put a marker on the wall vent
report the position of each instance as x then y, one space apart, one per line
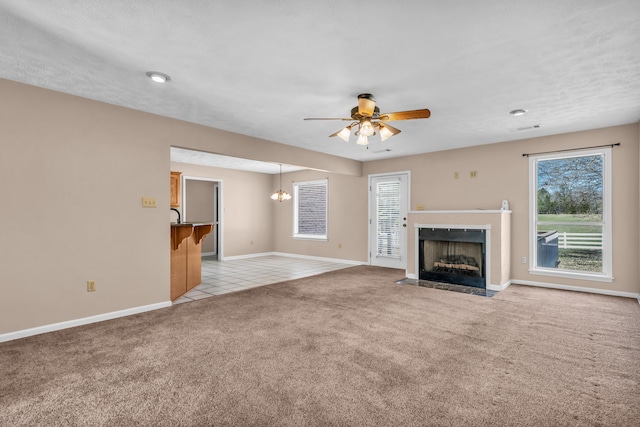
522 129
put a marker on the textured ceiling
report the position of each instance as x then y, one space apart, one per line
259 67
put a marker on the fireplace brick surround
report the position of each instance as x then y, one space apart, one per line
497 224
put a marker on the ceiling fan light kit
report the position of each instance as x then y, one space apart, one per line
367 119
366 128
387 132
362 140
344 134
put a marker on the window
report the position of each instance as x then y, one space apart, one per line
310 209
570 217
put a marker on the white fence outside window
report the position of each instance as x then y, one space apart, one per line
579 240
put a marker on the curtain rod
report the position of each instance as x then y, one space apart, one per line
570 149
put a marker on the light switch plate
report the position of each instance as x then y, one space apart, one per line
148 202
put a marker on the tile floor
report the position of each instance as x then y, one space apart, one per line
221 277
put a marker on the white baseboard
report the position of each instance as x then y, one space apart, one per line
577 289
83 321
499 287
318 258
247 256
284 254
208 253
553 286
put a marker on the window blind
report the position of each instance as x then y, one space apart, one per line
388 215
310 209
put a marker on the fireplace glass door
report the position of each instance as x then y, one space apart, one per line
453 255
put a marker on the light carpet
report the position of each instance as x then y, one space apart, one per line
349 347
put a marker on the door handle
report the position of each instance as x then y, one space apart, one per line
404 225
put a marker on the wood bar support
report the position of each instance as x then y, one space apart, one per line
186 256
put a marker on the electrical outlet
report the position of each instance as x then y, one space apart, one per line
91 285
456 175
149 202
420 207
524 259
339 245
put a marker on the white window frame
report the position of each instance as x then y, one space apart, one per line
296 198
606 274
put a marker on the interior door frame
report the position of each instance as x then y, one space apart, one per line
370 232
220 200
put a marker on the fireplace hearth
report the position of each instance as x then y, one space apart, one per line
453 256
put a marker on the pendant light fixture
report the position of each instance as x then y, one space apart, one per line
280 195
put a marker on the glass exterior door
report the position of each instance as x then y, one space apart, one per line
388 223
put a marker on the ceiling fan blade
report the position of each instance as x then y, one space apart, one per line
333 118
366 104
406 115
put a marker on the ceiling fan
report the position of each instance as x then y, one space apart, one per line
367 119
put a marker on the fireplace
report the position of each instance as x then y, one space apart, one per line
453 256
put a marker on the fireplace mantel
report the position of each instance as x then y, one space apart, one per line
498 226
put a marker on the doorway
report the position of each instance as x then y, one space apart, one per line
201 201
388 207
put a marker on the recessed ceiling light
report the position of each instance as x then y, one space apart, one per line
517 112
158 77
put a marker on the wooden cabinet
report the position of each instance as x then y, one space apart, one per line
175 189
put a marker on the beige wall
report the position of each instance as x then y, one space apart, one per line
347 221
73 172
253 223
232 144
502 173
247 210
200 203
72 175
